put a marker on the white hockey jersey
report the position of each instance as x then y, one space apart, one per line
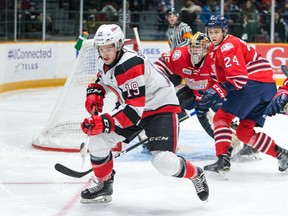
141 89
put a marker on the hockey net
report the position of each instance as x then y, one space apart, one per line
62 131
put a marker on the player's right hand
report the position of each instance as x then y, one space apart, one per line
94 98
95 124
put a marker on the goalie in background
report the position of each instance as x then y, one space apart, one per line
147 101
246 87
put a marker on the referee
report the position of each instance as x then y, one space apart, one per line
178 33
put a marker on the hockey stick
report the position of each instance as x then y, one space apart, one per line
284 70
73 173
76 174
84 146
137 38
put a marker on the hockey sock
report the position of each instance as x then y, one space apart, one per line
102 167
264 144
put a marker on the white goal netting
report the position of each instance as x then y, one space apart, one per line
62 131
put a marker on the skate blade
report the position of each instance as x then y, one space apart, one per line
221 175
101 199
281 169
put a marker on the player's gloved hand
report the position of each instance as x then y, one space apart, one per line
98 124
94 98
277 103
217 106
211 96
202 111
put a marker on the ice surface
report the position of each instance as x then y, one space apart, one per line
30 186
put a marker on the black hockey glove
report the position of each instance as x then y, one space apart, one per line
277 103
211 97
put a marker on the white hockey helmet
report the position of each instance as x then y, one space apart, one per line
109 34
198 47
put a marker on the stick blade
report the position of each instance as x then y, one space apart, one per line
284 70
69 172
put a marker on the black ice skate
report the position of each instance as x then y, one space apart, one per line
101 193
220 168
247 153
201 185
282 159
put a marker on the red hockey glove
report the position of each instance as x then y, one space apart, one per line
98 124
94 98
212 96
277 103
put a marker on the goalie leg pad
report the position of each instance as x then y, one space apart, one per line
205 123
166 162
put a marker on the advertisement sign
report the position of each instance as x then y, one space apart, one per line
52 60
154 50
33 61
276 54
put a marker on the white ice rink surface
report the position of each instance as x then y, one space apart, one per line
30 186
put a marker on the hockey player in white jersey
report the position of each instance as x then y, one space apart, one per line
147 100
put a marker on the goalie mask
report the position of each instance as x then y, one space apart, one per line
109 34
198 47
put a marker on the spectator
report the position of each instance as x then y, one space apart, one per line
31 18
284 14
212 8
232 14
279 28
48 22
253 19
135 7
240 29
90 24
25 4
110 11
190 14
128 15
162 22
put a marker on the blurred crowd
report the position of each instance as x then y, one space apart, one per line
248 19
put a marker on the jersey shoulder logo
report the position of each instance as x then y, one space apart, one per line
176 55
226 47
